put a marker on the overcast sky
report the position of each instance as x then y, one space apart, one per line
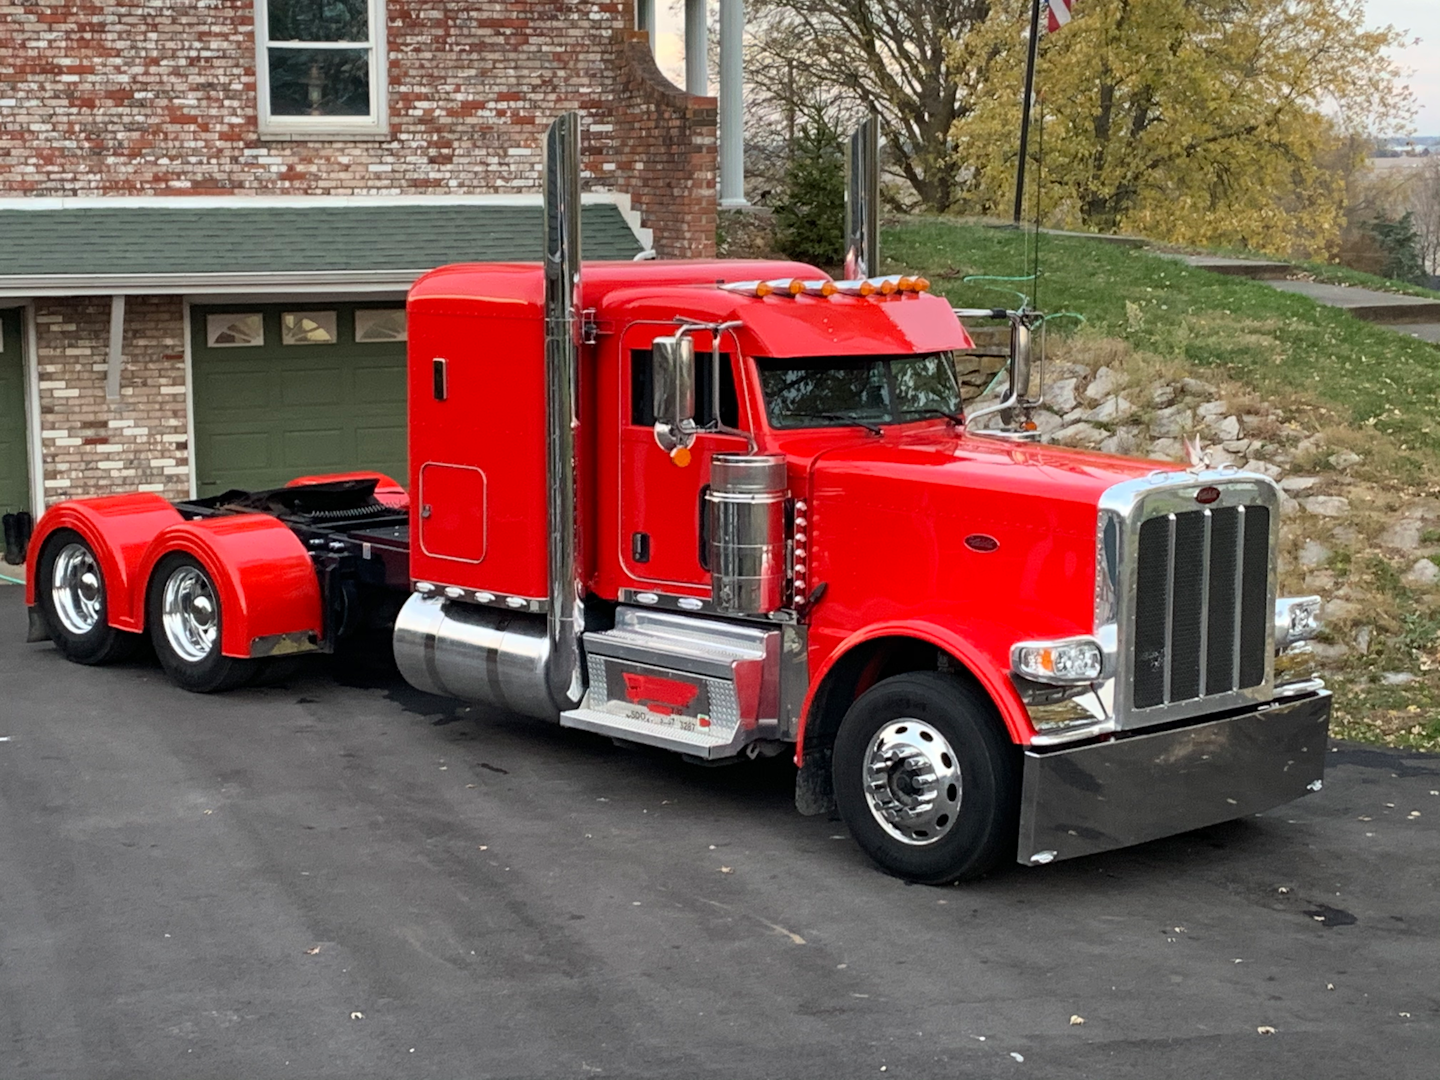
1420 17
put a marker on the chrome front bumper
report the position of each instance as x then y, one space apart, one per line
1132 789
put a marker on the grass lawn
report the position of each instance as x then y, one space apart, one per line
1359 385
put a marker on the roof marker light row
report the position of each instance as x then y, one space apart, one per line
878 286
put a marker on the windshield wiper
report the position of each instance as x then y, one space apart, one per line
953 417
841 418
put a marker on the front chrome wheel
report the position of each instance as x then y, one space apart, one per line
188 614
76 589
912 782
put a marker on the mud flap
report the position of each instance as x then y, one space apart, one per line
39 628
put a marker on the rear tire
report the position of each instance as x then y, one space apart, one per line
927 780
71 594
182 610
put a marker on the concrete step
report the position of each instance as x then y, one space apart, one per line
1367 304
1424 331
1257 269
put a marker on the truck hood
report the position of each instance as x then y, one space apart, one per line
965 529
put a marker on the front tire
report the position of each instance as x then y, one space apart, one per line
71 594
926 779
184 616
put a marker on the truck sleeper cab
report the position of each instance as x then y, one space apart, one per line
768 530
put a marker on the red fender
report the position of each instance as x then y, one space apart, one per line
118 529
387 490
995 680
264 577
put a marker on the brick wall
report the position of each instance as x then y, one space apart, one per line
158 97
92 446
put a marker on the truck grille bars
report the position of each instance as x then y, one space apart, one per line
1201 611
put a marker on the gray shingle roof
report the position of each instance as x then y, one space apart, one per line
288 238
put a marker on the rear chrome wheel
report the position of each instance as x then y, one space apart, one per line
76 590
190 614
186 617
927 779
70 592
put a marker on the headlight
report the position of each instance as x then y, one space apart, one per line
1297 618
1074 660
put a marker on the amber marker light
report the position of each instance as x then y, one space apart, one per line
922 284
763 288
821 288
888 286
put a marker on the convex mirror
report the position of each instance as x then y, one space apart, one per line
673 377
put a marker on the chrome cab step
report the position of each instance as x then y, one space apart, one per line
698 686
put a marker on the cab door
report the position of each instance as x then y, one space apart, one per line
662 500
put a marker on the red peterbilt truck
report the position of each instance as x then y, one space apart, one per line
734 509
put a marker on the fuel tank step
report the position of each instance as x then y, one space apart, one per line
697 686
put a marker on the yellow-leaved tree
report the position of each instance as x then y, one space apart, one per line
1217 122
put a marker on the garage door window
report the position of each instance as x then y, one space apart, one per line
307 327
228 331
380 324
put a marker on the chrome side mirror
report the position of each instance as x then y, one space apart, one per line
672 368
1021 360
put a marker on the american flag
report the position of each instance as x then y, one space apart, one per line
1059 14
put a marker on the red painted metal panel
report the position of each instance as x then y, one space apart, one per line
118 528
452 512
262 573
492 419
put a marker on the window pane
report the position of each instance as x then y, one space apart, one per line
319 20
320 82
228 331
380 324
307 328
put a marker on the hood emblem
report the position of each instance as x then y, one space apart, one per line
1196 455
981 542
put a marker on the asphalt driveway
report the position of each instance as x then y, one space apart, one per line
320 879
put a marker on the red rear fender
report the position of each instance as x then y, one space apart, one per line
118 529
262 573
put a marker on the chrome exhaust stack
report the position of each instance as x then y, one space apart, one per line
562 366
862 200
516 660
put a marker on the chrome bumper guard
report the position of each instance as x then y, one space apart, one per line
1087 799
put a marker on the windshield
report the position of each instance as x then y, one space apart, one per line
833 391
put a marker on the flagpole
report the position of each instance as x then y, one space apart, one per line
1025 111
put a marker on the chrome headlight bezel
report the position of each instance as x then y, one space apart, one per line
1073 661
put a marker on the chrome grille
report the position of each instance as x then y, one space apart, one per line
1201 600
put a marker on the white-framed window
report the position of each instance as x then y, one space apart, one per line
320 67
231 331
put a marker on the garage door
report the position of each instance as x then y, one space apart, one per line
285 391
14 487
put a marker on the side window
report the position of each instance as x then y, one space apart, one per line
642 391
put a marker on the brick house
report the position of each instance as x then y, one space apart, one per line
210 213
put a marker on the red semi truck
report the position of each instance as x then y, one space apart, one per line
733 509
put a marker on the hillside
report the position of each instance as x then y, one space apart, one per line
1344 414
